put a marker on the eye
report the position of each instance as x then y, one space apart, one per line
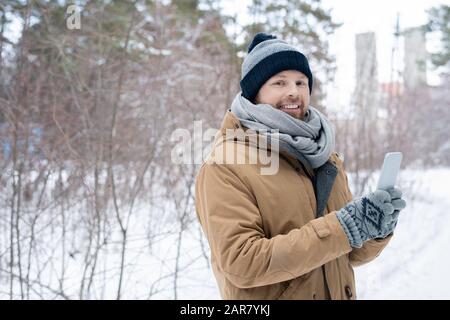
301 83
279 83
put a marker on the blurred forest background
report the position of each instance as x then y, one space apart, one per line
91 205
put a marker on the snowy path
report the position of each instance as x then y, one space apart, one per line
416 263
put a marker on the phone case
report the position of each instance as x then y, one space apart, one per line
389 170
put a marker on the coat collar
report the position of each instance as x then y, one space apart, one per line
230 121
323 177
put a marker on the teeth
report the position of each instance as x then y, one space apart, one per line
290 106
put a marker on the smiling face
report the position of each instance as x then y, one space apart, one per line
287 91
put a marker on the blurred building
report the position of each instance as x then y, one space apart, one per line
366 90
415 58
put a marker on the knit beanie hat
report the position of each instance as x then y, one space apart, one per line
267 56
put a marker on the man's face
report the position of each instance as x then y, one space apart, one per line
287 91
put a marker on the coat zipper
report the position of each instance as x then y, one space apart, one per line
312 178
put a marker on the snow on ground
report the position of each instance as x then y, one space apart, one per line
415 264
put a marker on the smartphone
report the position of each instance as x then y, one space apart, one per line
390 169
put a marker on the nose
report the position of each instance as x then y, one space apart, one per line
293 91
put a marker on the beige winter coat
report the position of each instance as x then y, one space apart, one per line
265 239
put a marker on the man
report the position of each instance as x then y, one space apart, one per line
295 234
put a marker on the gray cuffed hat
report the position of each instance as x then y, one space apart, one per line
266 57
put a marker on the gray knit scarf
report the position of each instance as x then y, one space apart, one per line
311 140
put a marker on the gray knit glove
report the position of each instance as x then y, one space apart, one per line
398 203
372 216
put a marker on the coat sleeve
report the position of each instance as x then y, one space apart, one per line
368 252
231 220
